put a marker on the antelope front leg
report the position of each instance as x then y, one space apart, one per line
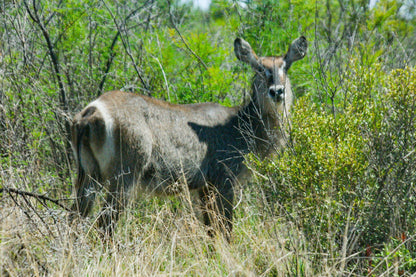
218 208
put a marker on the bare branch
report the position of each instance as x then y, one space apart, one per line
51 50
183 39
40 197
111 49
108 64
125 42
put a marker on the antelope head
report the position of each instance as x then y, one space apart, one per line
271 86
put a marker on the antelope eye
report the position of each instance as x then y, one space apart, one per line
269 76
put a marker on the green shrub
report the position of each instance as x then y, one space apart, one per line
349 172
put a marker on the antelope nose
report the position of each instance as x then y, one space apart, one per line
276 92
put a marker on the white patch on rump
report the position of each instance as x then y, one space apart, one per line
105 154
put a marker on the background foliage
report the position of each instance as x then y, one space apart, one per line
339 200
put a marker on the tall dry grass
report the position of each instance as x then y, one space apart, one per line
156 236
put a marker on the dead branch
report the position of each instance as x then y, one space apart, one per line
112 54
51 50
40 197
124 39
183 39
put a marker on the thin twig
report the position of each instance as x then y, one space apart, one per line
54 58
108 64
183 39
111 50
34 15
124 40
39 197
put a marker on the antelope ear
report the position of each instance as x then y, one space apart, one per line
297 50
245 53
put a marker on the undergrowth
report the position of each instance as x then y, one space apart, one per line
338 201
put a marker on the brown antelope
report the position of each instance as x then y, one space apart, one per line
121 140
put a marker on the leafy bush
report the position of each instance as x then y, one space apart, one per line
348 179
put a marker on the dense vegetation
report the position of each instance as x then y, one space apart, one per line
340 200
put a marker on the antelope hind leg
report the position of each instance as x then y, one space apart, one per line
116 201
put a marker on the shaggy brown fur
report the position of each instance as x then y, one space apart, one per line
122 140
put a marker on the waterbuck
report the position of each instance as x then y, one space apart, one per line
122 140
